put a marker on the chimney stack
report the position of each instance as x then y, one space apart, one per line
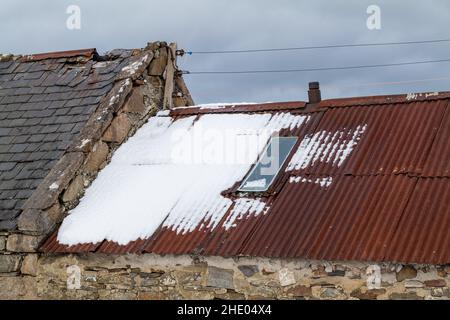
314 92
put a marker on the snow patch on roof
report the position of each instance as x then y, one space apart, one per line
326 147
323 182
172 173
244 207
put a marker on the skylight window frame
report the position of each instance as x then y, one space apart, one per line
242 187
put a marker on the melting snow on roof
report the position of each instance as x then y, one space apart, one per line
326 146
172 173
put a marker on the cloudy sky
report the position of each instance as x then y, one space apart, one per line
197 25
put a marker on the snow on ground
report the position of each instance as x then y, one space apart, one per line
173 173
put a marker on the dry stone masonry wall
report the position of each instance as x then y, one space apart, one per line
96 276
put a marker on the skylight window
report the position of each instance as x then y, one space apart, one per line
266 169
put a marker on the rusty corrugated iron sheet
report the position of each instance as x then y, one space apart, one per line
52 245
352 219
424 229
389 200
60 54
397 138
438 161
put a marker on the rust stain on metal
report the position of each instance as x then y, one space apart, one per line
52 245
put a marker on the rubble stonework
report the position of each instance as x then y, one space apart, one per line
151 276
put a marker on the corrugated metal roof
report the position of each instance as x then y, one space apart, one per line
397 138
423 232
438 163
386 162
352 219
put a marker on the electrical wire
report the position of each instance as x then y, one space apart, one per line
319 47
317 69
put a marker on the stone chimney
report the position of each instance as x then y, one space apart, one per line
314 92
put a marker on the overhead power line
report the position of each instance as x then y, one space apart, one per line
316 47
318 69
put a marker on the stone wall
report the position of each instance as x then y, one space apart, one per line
96 276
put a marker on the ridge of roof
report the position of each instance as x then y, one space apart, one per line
88 53
384 99
308 107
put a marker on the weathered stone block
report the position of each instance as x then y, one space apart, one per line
286 277
168 280
367 294
336 273
30 265
220 278
405 296
437 292
151 296
74 189
435 283
2 243
23 243
229 295
413 284
135 102
159 63
18 288
184 277
57 180
407 272
332 293
41 221
300 291
137 66
118 130
97 157
248 270
9 263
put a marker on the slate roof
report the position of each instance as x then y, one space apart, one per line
389 200
45 100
